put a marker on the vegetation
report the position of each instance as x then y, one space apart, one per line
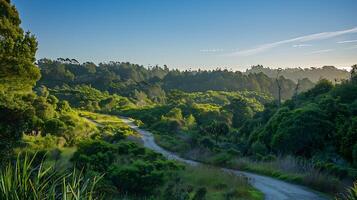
217 184
352 192
147 85
17 52
315 127
313 74
27 180
298 131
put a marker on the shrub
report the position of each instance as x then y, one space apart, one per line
176 190
221 159
200 194
130 168
55 126
141 178
259 148
207 142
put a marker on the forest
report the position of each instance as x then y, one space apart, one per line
62 134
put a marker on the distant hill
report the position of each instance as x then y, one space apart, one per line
314 74
125 78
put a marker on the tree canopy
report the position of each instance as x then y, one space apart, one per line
17 52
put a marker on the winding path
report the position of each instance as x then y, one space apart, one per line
271 188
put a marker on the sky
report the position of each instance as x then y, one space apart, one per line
204 34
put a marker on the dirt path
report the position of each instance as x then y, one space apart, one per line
272 189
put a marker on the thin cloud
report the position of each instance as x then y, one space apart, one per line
321 51
347 41
211 50
306 38
353 47
301 45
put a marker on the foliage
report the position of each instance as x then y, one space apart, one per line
315 121
23 180
217 130
17 52
130 168
291 169
330 73
213 183
351 193
91 99
317 126
147 85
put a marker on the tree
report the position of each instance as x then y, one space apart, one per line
200 194
190 121
217 129
278 83
13 122
259 148
354 73
55 126
17 52
302 132
44 110
241 111
322 87
140 97
18 73
175 113
349 139
297 88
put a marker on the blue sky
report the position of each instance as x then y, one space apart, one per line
191 34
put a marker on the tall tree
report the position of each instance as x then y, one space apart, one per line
17 52
354 73
279 86
18 73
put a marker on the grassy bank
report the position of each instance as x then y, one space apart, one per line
288 168
219 184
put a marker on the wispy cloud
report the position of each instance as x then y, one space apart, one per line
211 50
306 38
301 45
347 41
353 47
321 51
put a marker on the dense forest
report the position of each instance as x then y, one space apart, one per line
130 79
62 135
330 73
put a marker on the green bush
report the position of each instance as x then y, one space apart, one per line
139 178
200 194
221 159
259 148
55 126
94 155
207 142
132 169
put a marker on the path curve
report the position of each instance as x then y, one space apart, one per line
272 189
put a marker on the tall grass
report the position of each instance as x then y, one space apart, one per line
351 193
220 184
24 179
294 170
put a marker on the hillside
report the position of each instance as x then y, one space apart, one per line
132 80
